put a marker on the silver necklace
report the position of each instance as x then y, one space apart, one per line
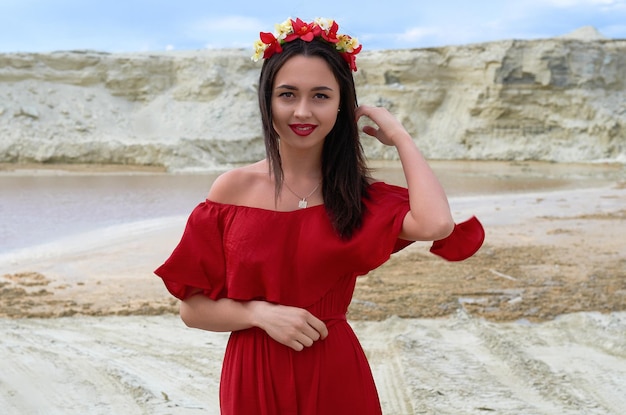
302 203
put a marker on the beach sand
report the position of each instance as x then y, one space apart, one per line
534 323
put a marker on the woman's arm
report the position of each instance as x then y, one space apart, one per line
429 218
294 327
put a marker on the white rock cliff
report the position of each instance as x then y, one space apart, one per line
561 99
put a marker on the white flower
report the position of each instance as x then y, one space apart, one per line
324 23
283 29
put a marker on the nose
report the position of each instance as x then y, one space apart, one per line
302 109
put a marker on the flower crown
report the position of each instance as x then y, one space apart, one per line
290 29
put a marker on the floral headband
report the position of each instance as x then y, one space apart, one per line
290 29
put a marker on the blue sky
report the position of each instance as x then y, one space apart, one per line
153 25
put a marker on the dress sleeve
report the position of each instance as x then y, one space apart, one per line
197 262
464 241
391 202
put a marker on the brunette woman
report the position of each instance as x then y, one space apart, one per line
274 252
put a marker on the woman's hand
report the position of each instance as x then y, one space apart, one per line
291 326
429 218
294 327
389 128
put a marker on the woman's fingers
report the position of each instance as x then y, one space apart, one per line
319 327
369 130
314 330
294 327
386 125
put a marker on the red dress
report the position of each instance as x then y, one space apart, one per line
292 258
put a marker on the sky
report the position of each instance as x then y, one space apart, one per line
157 25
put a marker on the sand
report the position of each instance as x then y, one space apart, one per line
535 323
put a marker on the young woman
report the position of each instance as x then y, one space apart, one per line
273 253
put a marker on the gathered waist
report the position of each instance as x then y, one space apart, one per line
333 319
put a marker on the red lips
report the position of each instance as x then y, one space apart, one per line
302 129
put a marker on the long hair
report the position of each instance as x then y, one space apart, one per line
344 171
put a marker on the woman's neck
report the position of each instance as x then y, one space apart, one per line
301 166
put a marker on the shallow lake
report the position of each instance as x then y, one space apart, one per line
40 205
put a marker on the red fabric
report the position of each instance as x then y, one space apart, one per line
466 238
291 258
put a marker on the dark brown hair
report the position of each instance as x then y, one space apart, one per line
344 171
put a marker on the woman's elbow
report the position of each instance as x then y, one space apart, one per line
187 314
439 228
445 228
432 229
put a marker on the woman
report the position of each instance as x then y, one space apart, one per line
273 254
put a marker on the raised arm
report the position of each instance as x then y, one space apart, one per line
429 218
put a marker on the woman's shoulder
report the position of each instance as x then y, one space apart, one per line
237 186
385 194
381 187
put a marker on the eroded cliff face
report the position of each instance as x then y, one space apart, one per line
558 100
178 110
555 99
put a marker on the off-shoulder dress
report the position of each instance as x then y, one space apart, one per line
292 258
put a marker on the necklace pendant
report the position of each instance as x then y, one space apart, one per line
302 204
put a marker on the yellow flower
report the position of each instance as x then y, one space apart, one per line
347 43
321 28
259 48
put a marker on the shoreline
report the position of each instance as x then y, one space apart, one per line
99 168
81 198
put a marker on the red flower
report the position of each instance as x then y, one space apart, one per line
273 45
331 36
304 31
350 57
290 30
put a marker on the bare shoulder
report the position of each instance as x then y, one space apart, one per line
238 186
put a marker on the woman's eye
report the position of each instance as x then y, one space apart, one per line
286 94
321 96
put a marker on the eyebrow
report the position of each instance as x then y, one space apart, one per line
294 88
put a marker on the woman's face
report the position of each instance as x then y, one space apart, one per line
305 102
